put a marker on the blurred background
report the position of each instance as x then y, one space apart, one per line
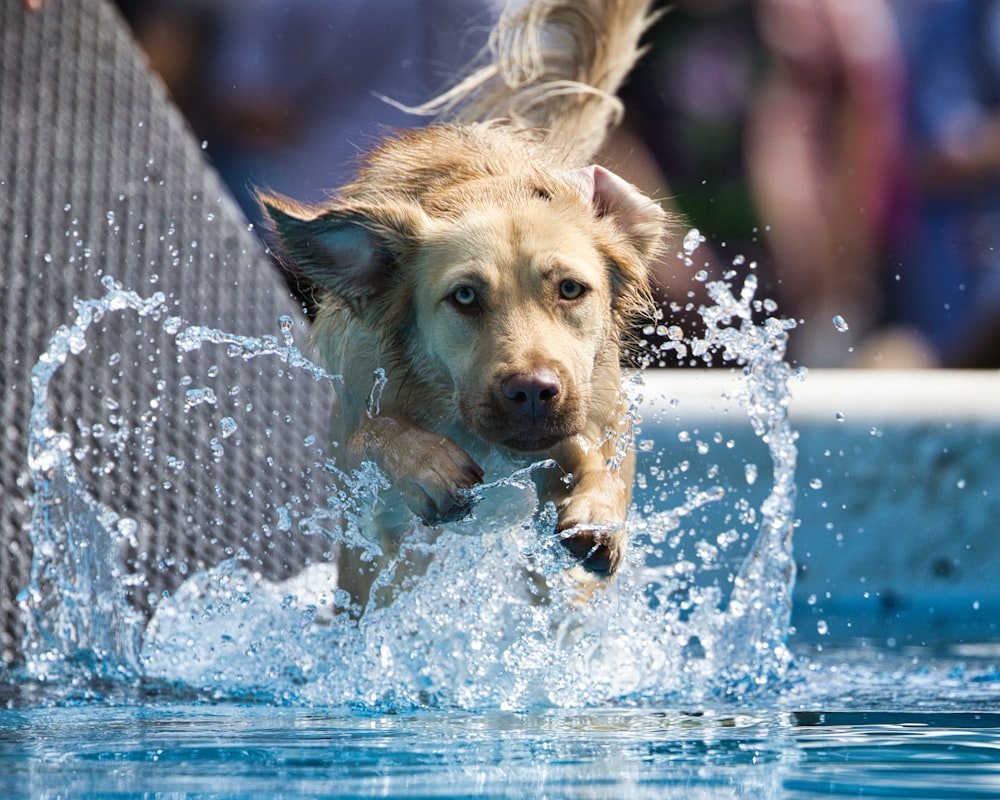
848 149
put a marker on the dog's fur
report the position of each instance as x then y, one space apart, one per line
492 273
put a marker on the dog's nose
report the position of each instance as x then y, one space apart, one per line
532 393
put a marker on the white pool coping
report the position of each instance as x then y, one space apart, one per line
850 396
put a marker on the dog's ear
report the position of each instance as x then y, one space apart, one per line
349 249
640 226
639 218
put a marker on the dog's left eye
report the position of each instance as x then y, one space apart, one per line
465 296
571 290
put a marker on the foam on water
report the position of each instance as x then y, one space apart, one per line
494 622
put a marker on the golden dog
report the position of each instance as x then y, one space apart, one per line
492 273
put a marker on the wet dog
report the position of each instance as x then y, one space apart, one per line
492 273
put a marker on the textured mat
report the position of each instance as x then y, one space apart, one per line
99 175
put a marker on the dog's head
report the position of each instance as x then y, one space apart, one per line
512 294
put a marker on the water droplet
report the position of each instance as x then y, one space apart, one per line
815 483
228 427
127 527
822 628
706 551
284 522
692 240
285 324
195 397
840 324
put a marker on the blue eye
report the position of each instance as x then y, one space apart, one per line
464 296
571 290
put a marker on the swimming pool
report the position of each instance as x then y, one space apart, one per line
845 745
889 688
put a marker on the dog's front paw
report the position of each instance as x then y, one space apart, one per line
598 549
435 482
590 523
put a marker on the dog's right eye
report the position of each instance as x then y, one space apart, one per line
465 298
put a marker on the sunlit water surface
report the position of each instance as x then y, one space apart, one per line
676 681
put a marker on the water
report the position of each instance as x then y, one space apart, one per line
678 681
232 750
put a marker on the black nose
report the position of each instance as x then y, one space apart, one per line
532 393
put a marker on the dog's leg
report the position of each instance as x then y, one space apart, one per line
592 516
430 477
429 470
592 501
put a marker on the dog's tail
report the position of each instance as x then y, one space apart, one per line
554 66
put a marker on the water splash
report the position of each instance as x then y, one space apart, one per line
494 621
78 619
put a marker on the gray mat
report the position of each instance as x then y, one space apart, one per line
99 175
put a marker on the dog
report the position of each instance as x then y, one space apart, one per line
492 274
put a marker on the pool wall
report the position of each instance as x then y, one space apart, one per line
898 494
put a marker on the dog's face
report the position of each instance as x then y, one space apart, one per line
514 302
510 297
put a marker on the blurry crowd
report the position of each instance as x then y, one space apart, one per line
850 149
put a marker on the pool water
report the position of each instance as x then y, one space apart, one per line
791 744
683 679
